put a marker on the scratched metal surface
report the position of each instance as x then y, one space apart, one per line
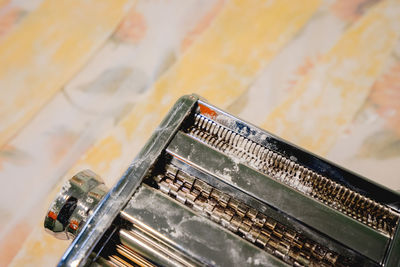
76 95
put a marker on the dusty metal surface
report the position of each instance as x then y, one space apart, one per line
247 222
209 242
297 176
210 189
350 232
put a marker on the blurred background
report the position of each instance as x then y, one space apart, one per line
84 83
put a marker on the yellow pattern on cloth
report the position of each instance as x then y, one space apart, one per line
219 66
222 63
326 99
46 50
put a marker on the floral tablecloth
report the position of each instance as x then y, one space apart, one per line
84 83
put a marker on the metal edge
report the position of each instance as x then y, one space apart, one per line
281 197
108 209
315 162
277 215
392 258
172 223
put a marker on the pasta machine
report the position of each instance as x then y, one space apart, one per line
209 189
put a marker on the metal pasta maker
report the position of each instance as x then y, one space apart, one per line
209 189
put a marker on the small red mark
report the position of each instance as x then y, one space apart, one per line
52 215
207 111
73 225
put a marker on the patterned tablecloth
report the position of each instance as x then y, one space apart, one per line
84 83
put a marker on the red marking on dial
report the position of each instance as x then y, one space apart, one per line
52 215
73 225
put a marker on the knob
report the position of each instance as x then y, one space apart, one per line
74 204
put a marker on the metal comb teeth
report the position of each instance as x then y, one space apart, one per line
249 223
299 177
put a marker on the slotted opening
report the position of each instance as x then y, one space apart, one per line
67 210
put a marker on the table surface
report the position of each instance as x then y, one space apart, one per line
83 84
